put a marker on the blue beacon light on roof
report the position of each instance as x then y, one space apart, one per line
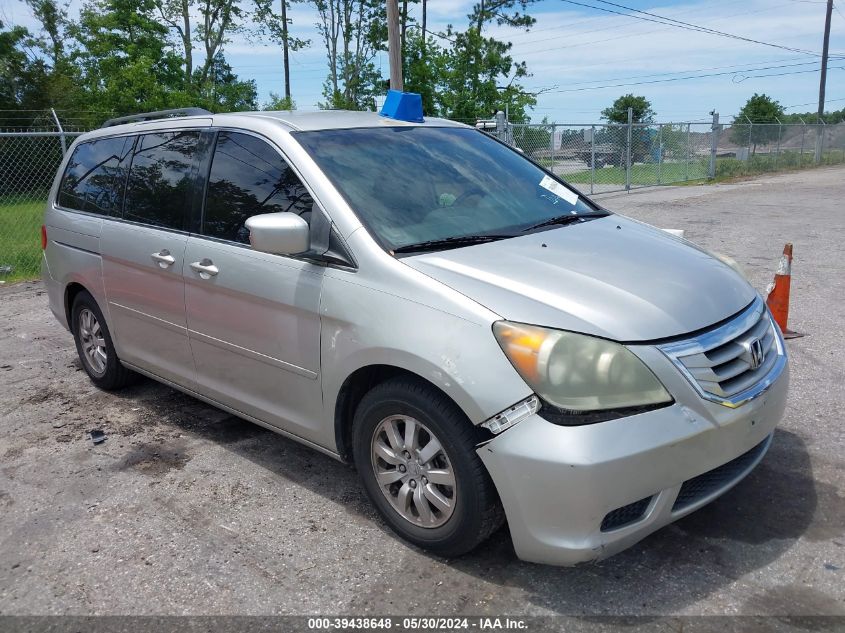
403 106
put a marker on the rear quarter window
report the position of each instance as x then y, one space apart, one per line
96 175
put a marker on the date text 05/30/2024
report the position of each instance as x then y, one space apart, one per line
417 623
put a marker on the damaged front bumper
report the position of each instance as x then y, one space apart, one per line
579 493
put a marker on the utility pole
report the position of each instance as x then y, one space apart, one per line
394 47
823 79
423 28
285 48
825 48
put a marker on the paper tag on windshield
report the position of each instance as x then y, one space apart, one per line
559 190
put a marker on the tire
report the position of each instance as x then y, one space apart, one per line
94 345
475 512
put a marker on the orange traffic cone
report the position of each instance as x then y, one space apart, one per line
778 299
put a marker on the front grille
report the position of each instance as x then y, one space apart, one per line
724 364
697 488
625 515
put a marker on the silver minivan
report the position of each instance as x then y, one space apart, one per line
482 341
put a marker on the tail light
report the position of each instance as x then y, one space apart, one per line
43 236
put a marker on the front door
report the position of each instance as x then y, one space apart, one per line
253 318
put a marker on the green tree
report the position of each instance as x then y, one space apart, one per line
479 76
54 23
277 102
222 91
759 109
218 20
641 137
618 111
276 26
831 117
503 12
475 68
353 31
126 60
51 77
534 137
424 64
17 70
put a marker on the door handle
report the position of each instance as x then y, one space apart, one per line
164 258
205 268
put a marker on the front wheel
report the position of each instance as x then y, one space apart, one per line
415 454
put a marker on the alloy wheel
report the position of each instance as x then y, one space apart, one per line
413 471
92 341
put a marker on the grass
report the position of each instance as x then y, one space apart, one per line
696 172
20 238
641 174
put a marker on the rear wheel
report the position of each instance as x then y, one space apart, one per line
415 453
94 345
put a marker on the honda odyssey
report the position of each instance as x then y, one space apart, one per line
481 340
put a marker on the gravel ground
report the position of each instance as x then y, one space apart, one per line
187 510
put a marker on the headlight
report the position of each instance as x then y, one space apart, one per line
578 373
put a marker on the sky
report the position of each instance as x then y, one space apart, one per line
580 57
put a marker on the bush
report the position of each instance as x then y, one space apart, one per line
730 167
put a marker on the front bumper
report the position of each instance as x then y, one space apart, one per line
558 483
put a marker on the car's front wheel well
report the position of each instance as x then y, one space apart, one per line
354 388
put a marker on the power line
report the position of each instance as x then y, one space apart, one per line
798 105
704 76
740 69
518 45
659 19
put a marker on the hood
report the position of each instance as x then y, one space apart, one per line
610 277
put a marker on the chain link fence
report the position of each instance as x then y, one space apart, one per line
29 157
600 157
595 157
752 148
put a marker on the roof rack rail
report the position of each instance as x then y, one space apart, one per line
151 116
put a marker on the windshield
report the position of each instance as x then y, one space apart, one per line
411 185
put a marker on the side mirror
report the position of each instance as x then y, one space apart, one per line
278 233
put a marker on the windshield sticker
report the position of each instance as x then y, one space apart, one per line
559 190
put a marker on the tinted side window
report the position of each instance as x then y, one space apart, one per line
248 177
95 176
160 179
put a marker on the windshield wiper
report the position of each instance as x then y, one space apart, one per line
448 242
561 220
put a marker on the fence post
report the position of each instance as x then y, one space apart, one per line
61 131
714 145
803 137
819 142
628 153
592 157
686 162
777 150
552 149
659 152
750 132
501 130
